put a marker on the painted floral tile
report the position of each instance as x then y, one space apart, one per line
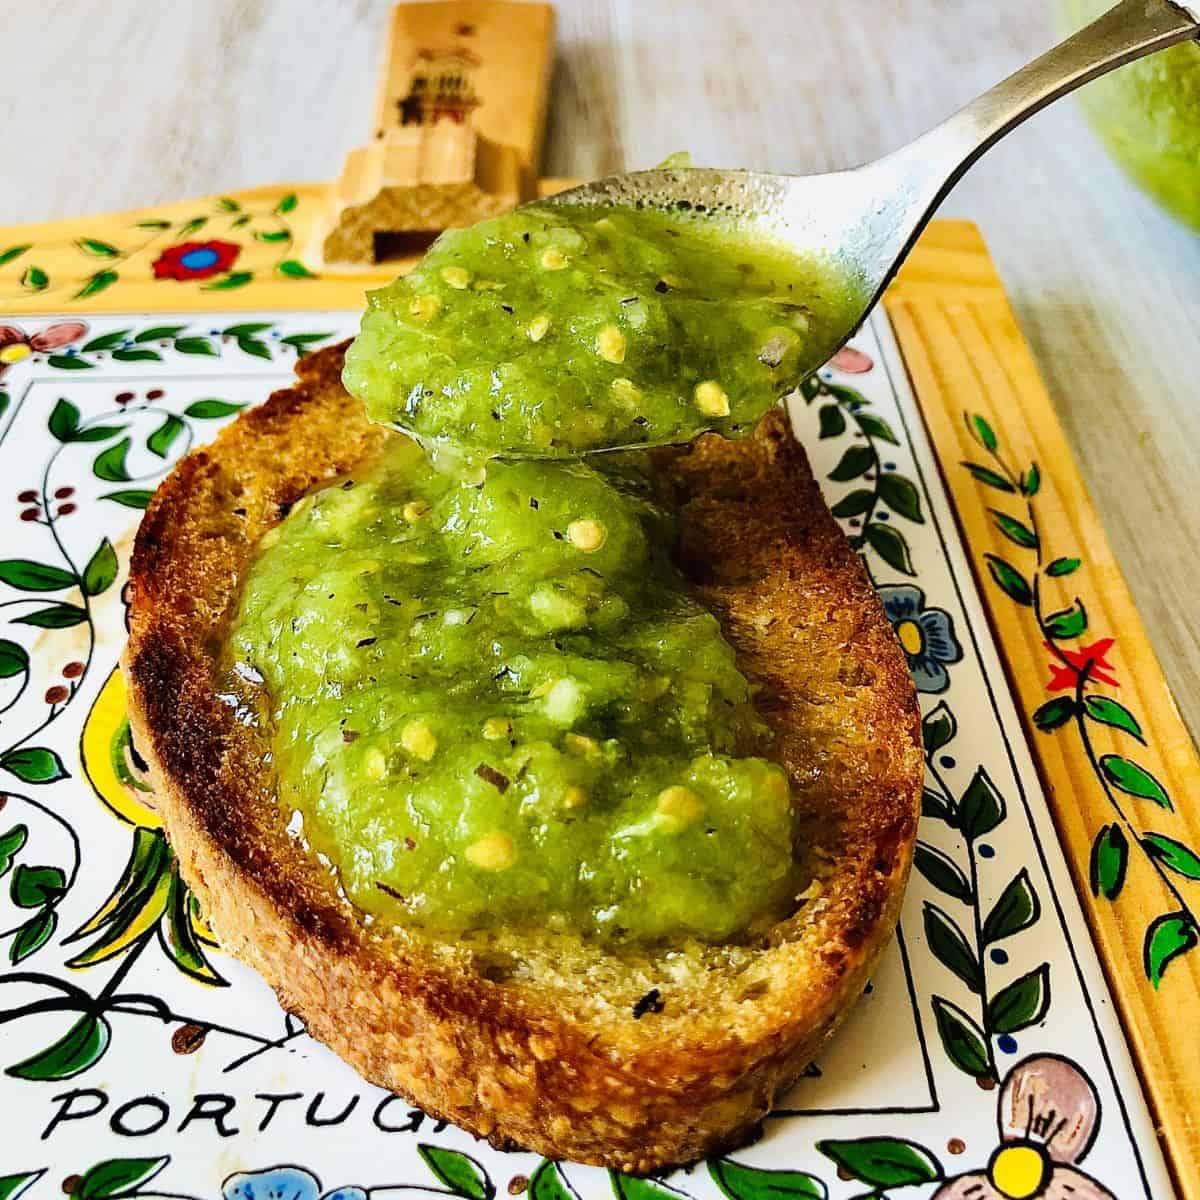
984 1060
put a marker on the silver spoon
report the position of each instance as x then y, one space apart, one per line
868 218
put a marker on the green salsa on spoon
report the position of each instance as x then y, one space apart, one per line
558 330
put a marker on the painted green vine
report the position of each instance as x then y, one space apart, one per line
1076 705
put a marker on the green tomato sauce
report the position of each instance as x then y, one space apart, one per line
498 704
492 698
553 331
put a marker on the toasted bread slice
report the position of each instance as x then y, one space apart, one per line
629 1059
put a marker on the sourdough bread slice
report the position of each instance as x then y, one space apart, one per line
633 1060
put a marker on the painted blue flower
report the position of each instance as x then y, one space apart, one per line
926 636
283 1183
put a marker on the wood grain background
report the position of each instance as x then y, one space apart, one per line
126 104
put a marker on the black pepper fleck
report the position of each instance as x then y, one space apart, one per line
651 1002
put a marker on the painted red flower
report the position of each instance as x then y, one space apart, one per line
195 260
15 344
1093 659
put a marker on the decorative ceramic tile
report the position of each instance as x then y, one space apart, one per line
985 1060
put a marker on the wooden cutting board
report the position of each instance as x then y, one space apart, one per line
456 134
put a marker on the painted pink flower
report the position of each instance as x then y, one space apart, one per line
16 344
851 361
1048 1116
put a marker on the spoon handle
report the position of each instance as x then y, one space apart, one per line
1127 31
913 181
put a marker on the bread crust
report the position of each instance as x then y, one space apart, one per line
562 1065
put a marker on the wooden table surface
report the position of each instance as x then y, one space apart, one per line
131 103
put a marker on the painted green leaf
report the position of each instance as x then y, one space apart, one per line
195 345
628 1187
11 842
982 807
1017 908
249 345
34 764
1016 531
1010 581
1054 713
118 1177
287 203
190 227
69 362
106 341
458 1172
1031 481
1022 1003
273 235
29 576
161 440
876 427
210 409
1168 937
63 420
302 341
130 497
55 616
1062 566
883 1162
178 937
740 1182
96 433
1107 711
246 329
938 727
1133 780
942 871
97 283
227 283
33 935
854 504
856 461
1109 861
110 463
981 431
152 223
890 546
35 279
228 204
1175 855
137 354
238 222
1068 622
97 248
832 419
101 570
160 333
988 476
901 496
5 401
80 1047
950 947
14 1186
294 269
7 256
935 806
32 887
548 1183
961 1038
